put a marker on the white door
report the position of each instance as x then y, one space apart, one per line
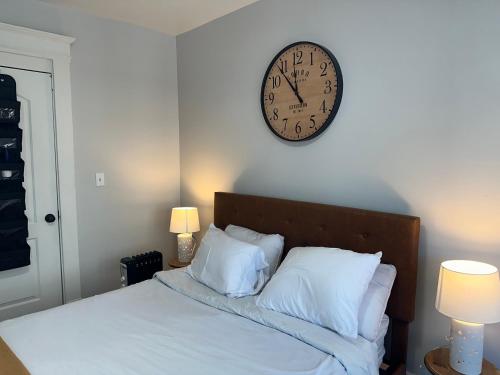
37 286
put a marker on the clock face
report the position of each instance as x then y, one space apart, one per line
301 91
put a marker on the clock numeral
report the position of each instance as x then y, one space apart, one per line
313 123
323 67
275 114
312 59
276 81
323 106
284 66
285 121
298 128
297 57
270 97
328 88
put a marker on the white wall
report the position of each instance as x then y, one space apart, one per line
125 108
417 132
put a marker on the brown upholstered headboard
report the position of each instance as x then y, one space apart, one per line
312 224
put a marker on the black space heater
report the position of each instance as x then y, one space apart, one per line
140 267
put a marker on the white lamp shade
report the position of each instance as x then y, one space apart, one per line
184 220
469 291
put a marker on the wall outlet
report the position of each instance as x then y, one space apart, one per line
99 179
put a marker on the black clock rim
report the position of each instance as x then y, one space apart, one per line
336 103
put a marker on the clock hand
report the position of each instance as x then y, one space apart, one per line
291 86
296 84
289 83
295 77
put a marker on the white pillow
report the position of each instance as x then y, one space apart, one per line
322 285
231 267
272 244
375 301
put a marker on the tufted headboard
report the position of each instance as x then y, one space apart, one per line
313 224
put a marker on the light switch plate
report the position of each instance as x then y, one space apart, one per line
99 179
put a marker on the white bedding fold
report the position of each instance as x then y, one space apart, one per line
358 356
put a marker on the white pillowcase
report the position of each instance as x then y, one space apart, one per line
375 301
322 285
380 339
229 266
272 244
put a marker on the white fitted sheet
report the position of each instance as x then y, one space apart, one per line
149 328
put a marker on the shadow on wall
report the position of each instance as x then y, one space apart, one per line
368 192
168 247
362 191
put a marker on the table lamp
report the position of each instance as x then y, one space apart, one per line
469 293
185 221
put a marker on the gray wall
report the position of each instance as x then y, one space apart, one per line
125 109
417 131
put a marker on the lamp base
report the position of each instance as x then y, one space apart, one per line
466 348
185 247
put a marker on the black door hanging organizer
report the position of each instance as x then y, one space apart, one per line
14 248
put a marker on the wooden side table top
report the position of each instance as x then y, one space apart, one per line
437 362
175 263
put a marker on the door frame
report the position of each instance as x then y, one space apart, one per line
57 50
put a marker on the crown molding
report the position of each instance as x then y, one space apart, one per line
38 43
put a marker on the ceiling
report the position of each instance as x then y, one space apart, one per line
172 17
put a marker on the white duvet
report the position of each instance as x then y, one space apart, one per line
174 325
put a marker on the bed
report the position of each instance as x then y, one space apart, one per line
175 325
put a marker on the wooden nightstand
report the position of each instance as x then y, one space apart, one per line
175 263
437 362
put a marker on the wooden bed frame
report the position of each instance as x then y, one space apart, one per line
312 224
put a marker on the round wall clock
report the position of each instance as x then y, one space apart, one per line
301 91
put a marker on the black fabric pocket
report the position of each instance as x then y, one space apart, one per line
9 112
9 186
12 206
12 171
13 234
15 258
10 145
